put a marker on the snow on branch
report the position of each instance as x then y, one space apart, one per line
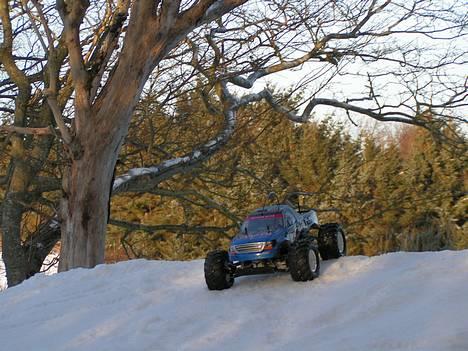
218 8
141 179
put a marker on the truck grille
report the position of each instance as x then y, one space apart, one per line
250 247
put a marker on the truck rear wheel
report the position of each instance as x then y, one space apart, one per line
303 261
217 274
332 241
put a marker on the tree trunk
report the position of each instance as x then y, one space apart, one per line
85 206
102 123
12 251
39 245
100 131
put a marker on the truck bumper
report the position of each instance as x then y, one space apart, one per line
254 256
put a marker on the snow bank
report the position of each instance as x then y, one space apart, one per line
400 301
3 282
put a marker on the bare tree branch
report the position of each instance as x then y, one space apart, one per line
25 130
174 228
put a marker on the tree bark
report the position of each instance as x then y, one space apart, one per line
84 206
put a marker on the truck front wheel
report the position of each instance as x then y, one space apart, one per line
217 274
303 261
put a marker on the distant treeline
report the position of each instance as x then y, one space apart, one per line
391 191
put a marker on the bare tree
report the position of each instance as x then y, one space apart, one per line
104 87
96 58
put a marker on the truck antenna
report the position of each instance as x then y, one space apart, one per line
272 196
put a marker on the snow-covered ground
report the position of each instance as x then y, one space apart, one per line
399 301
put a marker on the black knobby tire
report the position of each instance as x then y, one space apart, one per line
331 241
217 275
303 261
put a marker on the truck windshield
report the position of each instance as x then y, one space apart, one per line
262 224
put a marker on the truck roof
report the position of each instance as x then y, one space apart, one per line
270 209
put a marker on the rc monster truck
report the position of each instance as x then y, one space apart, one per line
276 238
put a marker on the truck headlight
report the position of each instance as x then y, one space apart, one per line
268 246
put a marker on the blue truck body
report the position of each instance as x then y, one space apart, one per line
263 253
275 238
266 233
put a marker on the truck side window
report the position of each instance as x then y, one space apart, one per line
289 220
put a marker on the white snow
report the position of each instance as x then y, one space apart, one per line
3 282
138 172
133 173
175 161
399 301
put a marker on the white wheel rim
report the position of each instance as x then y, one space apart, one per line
340 242
312 260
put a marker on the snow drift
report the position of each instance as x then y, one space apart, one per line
399 301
